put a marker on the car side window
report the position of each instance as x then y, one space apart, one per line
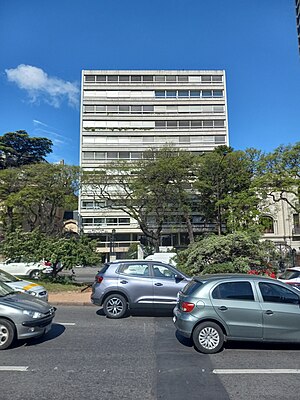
161 271
273 293
135 269
233 291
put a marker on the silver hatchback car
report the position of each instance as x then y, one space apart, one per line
124 285
215 308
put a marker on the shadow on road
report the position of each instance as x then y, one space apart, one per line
142 313
235 345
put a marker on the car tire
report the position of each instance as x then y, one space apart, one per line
7 333
115 306
208 337
35 274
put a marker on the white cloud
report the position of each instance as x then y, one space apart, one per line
40 86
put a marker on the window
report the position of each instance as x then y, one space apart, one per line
160 124
90 78
124 109
99 155
112 109
171 78
148 109
195 93
99 221
135 269
233 291
112 78
112 155
124 221
136 78
124 78
88 155
206 78
136 155
171 93
217 78
184 139
159 93
220 139
196 124
184 124
148 78
163 272
136 109
219 124
124 155
159 78
273 293
88 109
100 78
87 220
183 93
100 108
171 124
206 93
183 78
217 93
112 221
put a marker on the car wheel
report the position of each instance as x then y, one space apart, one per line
7 333
35 274
115 306
208 338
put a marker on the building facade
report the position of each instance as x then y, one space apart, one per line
124 113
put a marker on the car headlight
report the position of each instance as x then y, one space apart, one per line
33 314
32 293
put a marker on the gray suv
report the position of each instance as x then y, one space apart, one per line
123 285
214 308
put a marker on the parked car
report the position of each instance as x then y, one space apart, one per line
291 276
123 285
20 285
20 268
22 316
215 308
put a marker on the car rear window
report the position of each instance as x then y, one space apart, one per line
103 269
191 287
290 274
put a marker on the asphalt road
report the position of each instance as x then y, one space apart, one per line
87 356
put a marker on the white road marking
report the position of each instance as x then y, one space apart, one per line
256 371
13 368
66 323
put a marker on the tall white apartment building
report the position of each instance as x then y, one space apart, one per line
124 113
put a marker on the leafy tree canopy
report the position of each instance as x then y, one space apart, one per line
236 252
17 149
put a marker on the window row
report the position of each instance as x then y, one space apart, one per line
105 221
158 94
92 204
153 78
188 93
148 125
145 109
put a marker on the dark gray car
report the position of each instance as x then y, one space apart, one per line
22 316
124 285
214 308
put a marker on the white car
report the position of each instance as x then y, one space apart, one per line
31 269
18 285
291 276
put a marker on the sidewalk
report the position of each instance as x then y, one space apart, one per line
71 298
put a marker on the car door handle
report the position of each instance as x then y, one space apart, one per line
158 284
223 308
124 282
269 312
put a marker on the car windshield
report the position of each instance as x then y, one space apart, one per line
290 274
5 290
6 277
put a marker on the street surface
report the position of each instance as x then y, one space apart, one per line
87 356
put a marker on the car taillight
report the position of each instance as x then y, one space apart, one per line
187 307
99 278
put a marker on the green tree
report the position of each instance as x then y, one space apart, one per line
225 192
35 196
236 252
278 175
17 149
63 253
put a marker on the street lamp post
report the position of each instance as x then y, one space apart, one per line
112 254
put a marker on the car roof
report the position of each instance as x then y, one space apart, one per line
216 277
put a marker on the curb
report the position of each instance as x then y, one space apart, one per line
70 303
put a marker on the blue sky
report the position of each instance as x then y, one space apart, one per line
46 44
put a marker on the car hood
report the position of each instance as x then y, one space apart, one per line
25 285
24 301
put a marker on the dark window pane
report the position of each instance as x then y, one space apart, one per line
183 93
88 155
100 78
220 139
233 291
136 155
196 124
160 124
208 124
148 108
124 221
99 220
112 155
205 78
136 78
172 124
195 93
206 93
124 109
148 78
90 78
219 124
217 78
160 78
160 93
183 78
218 93
112 109
100 108
184 124
88 109
87 220
112 78
136 109
273 293
99 155
171 78
124 78
171 93
124 154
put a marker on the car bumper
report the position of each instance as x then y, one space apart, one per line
34 328
184 322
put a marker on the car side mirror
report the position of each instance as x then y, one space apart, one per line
178 277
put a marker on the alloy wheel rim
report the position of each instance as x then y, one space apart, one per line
209 338
114 306
4 334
